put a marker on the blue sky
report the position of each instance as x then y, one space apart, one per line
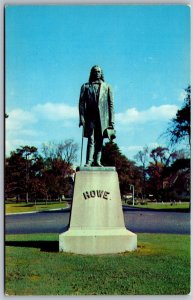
144 51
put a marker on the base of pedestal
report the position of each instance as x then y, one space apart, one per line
103 241
96 222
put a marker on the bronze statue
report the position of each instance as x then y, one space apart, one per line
96 112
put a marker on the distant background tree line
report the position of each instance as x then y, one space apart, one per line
162 173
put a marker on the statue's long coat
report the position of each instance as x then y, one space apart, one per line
89 107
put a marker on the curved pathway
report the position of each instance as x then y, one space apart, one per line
136 220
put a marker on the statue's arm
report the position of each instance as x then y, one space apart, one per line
82 106
111 107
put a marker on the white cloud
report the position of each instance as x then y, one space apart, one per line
154 145
131 148
154 113
137 148
182 95
19 128
131 151
29 132
27 127
19 118
55 111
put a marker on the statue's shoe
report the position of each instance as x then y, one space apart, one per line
98 164
89 164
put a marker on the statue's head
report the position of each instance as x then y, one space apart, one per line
96 73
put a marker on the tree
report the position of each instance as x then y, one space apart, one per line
167 171
14 176
58 160
30 156
66 150
127 171
30 175
69 151
20 170
179 128
56 178
162 158
143 157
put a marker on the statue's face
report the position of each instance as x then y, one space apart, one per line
97 73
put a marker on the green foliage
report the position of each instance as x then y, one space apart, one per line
166 174
27 173
179 128
159 266
127 171
162 173
19 167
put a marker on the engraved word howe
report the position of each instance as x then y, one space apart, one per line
96 194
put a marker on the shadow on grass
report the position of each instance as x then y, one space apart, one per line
45 246
60 210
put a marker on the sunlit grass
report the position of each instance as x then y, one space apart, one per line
159 266
164 206
24 207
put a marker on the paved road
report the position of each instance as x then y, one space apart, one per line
148 221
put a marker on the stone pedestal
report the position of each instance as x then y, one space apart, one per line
97 223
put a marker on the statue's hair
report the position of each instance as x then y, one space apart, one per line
91 74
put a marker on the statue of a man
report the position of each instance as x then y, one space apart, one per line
96 112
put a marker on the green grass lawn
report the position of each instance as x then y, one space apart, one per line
165 206
24 207
160 266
